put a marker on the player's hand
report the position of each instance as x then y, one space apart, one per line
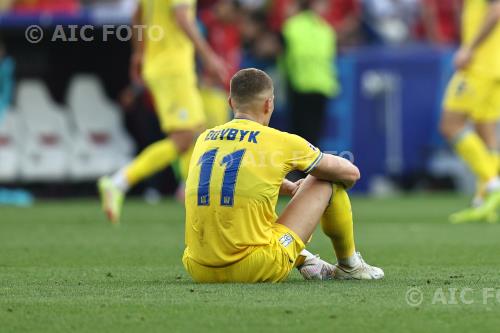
216 67
289 188
135 70
129 96
463 57
297 186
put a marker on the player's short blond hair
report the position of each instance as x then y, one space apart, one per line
249 84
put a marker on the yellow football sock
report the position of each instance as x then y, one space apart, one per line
474 152
154 158
481 185
299 261
184 161
480 193
337 223
496 157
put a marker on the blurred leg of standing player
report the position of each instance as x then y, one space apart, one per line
181 116
487 132
168 66
471 98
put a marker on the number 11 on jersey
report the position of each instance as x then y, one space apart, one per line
232 163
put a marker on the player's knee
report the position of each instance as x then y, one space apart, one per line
450 125
322 187
447 129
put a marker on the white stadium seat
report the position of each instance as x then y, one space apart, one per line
47 140
101 142
10 144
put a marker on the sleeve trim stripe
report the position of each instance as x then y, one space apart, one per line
315 163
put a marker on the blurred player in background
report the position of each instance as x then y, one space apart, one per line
167 65
473 95
309 57
237 172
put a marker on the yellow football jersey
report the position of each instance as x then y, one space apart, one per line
168 51
235 175
486 60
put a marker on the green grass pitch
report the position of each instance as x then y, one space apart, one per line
63 269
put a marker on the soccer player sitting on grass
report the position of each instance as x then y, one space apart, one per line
236 174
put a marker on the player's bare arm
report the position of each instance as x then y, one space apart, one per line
337 170
137 55
212 62
466 52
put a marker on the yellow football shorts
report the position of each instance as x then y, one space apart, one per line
475 95
215 106
177 102
268 263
